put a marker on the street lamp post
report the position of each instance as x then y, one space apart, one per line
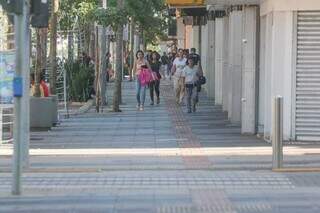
21 97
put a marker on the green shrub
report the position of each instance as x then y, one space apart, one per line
80 80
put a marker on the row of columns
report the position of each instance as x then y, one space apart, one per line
248 56
229 59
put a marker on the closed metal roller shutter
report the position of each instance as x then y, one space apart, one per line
308 76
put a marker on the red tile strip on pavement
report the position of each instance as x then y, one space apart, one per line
183 132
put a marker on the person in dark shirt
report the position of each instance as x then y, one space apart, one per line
155 85
195 56
165 63
148 56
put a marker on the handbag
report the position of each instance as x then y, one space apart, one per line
202 80
145 76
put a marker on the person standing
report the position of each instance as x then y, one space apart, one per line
178 65
108 55
138 65
190 75
155 85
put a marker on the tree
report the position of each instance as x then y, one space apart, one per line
41 48
119 56
53 46
77 15
148 15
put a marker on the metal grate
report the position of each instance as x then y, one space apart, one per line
308 76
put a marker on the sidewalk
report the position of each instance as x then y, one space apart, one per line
161 137
161 160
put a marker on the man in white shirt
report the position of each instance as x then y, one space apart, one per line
178 65
190 75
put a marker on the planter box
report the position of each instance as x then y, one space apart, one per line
43 112
54 109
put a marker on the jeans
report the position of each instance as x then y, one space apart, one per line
192 94
140 89
154 86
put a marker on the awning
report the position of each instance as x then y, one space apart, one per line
182 3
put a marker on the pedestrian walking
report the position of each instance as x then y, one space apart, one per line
138 65
196 57
170 64
154 86
178 84
164 64
197 62
190 75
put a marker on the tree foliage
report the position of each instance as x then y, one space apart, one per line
76 12
149 15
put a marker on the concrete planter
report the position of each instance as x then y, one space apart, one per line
43 112
54 109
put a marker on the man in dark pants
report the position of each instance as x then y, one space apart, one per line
197 62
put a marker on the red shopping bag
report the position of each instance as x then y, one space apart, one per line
145 76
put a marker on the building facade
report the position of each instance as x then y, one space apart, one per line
254 50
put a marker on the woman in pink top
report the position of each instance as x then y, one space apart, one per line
140 63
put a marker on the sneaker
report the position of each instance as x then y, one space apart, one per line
152 103
158 100
141 108
138 106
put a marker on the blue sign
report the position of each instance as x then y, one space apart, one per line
7 68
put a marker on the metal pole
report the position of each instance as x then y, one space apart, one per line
20 103
277 133
65 89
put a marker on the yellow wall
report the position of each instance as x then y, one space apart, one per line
185 2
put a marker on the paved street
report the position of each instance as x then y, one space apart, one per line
161 160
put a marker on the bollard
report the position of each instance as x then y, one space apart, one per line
277 132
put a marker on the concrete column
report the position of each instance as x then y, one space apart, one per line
211 57
235 66
207 55
225 68
204 55
267 68
279 67
249 70
189 38
219 49
262 74
180 33
195 37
